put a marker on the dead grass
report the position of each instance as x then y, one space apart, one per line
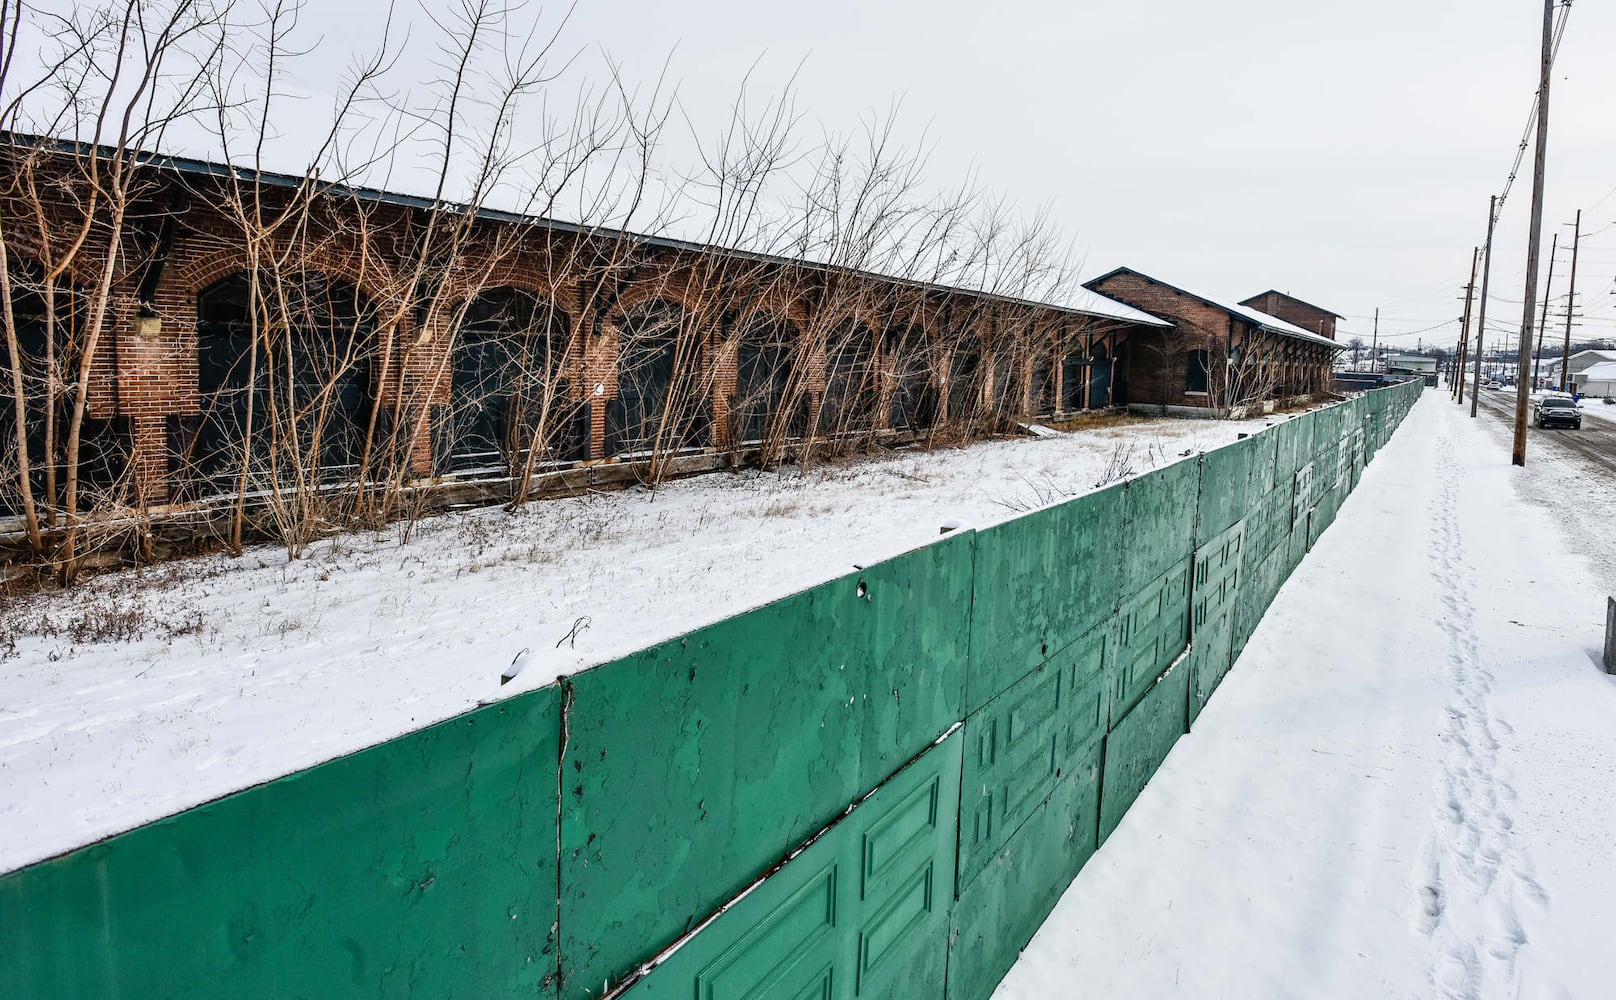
1099 420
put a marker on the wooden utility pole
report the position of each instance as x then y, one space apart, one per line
1374 343
1481 311
1543 321
1571 307
1523 391
1464 333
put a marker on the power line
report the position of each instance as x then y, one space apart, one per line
1531 119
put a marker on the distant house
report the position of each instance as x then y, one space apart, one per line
1216 356
1580 361
1314 319
1597 379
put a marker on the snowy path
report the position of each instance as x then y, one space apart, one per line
1407 785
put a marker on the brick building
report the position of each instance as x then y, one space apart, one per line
263 334
1215 356
500 345
1294 311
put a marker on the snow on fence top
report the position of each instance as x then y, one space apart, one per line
140 694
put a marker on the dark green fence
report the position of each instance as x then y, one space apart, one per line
878 787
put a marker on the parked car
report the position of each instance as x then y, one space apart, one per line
1558 411
1492 383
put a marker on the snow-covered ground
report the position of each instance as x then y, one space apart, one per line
136 696
1598 409
1406 787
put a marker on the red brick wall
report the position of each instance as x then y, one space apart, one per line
1157 361
1309 318
148 372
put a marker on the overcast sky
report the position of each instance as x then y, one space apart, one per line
1341 152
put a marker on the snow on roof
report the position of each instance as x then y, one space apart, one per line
1606 355
1277 325
1087 300
1605 371
1273 324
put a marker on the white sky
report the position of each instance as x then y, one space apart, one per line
1341 152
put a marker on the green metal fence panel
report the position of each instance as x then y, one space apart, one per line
1268 521
1153 628
1284 435
863 911
1298 544
1225 472
1024 742
1214 595
1293 445
1158 523
1211 655
1139 743
1323 437
1360 450
999 912
1323 514
1344 459
1218 565
1264 569
1261 463
424 866
1042 580
691 767
1304 494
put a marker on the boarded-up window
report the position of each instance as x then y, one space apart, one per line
1196 372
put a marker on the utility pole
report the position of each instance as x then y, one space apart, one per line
1571 306
1543 323
1481 312
1374 343
1464 334
1517 455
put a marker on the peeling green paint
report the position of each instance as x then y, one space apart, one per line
695 765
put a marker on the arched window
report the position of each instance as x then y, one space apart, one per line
765 353
914 397
50 342
659 403
1074 380
1009 389
965 381
1041 389
284 376
505 390
852 384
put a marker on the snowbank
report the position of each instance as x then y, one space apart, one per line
137 696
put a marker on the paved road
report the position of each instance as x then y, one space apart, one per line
1595 442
